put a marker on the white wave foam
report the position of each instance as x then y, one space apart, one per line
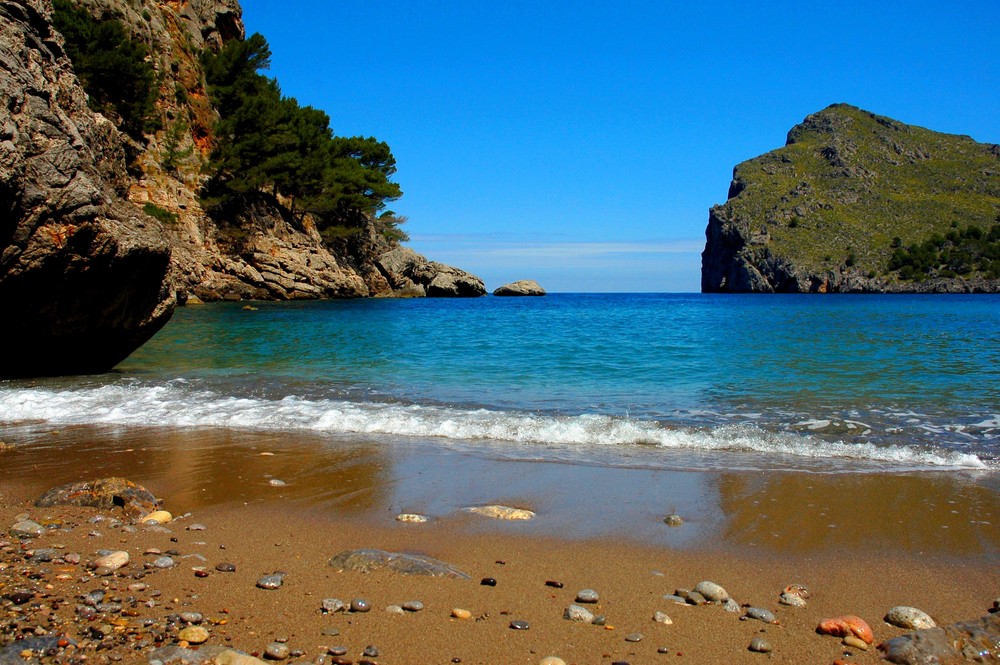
180 405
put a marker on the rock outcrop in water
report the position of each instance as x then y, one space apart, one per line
82 271
829 211
976 641
524 287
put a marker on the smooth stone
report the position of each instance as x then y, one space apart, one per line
488 581
277 651
856 642
331 605
43 555
367 560
196 527
633 637
371 651
791 600
395 609
502 512
577 613
909 617
673 520
587 596
759 613
192 617
712 591
226 567
233 657
193 635
554 584
519 624
663 617
731 606
844 625
760 645
271 582
164 562
337 651
411 518
156 517
459 613
360 605
675 599
114 561
600 620
274 482
552 660
695 598
663 649
413 606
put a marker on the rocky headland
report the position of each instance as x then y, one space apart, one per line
859 203
105 230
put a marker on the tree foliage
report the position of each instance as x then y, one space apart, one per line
112 67
269 143
958 252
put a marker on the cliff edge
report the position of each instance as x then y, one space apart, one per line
859 203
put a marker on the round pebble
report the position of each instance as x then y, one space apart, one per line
226 567
600 620
395 609
673 520
277 651
114 560
371 651
552 660
587 596
488 581
633 637
459 613
413 606
192 617
337 651
271 582
759 613
360 605
519 624
909 617
663 617
274 482
759 645
164 562
856 642
193 635
663 650
712 591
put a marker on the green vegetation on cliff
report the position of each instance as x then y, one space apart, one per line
111 66
888 201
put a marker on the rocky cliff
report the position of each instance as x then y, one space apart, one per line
82 271
86 273
848 200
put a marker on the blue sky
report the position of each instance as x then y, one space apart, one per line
582 143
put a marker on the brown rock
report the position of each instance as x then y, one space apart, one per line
105 493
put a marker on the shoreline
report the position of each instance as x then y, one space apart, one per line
900 540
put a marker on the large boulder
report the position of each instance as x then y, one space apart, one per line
409 273
523 287
82 271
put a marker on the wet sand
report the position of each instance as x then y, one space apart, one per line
861 543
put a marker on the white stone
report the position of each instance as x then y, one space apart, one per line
502 512
909 617
411 518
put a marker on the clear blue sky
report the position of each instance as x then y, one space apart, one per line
582 143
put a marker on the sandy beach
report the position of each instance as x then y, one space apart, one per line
941 559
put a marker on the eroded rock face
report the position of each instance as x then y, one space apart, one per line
409 273
82 272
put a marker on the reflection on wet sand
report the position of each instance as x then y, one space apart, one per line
947 514
192 469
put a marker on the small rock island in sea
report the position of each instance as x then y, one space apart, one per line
524 287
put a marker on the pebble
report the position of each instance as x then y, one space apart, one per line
277 651
791 600
711 591
760 645
488 581
459 613
731 606
663 649
271 582
192 617
662 617
337 651
394 609
371 651
633 637
413 606
71 558
759 613
360 605
193 635
27 529
226 567
909 617
164 562
600 620
196 527
673 520
587 596
577 613
695 598
799 590
675 599
552 660
856 642
331 605
411 518
520 624
113 561
274 482
156 517
554 584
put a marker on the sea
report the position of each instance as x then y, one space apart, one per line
820 384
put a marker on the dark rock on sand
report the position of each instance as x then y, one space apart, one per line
977 640
106 494
365 561
524 287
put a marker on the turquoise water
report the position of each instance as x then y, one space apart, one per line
676 381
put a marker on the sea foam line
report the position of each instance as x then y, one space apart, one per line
177 405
